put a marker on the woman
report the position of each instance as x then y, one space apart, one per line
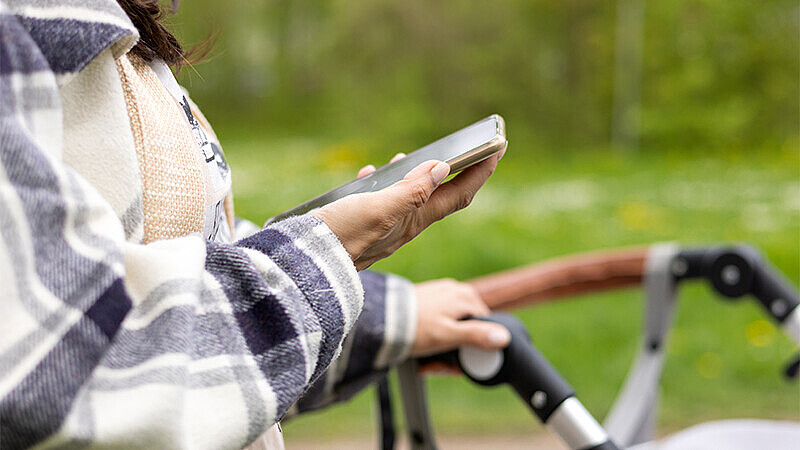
129 316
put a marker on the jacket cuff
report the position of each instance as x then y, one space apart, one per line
311 236
382 337
400 322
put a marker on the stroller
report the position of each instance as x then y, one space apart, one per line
734 272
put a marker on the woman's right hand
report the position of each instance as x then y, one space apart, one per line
373 225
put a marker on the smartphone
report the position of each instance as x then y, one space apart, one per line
460 150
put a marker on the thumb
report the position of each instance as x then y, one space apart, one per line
416 187
477 333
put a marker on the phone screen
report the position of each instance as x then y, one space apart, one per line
460 149
447 149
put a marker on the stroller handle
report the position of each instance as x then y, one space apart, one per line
732 271
543 390
563 277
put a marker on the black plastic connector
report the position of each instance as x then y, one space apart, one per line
738 271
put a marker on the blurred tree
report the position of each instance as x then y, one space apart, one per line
626 120
716 74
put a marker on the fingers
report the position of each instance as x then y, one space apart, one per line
366 170
459 192
434 171
397 157
469 302
362 220
414 189
477 333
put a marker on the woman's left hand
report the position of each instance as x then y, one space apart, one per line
441 304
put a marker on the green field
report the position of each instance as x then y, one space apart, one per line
724 358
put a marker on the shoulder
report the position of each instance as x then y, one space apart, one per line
69 34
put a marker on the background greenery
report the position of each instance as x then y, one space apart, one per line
304 92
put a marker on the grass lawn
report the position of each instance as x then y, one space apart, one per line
724 359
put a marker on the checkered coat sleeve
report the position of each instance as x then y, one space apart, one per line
381 338
181 343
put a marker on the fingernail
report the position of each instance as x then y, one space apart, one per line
502 152
440 172
499 337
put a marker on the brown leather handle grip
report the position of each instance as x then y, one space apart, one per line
568 276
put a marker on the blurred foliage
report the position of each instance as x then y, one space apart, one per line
717 74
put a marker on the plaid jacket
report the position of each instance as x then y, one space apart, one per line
177 343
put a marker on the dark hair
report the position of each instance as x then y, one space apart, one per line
155 40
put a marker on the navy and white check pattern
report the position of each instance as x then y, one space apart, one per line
176 344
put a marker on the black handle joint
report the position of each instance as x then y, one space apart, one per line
738 271
527 371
